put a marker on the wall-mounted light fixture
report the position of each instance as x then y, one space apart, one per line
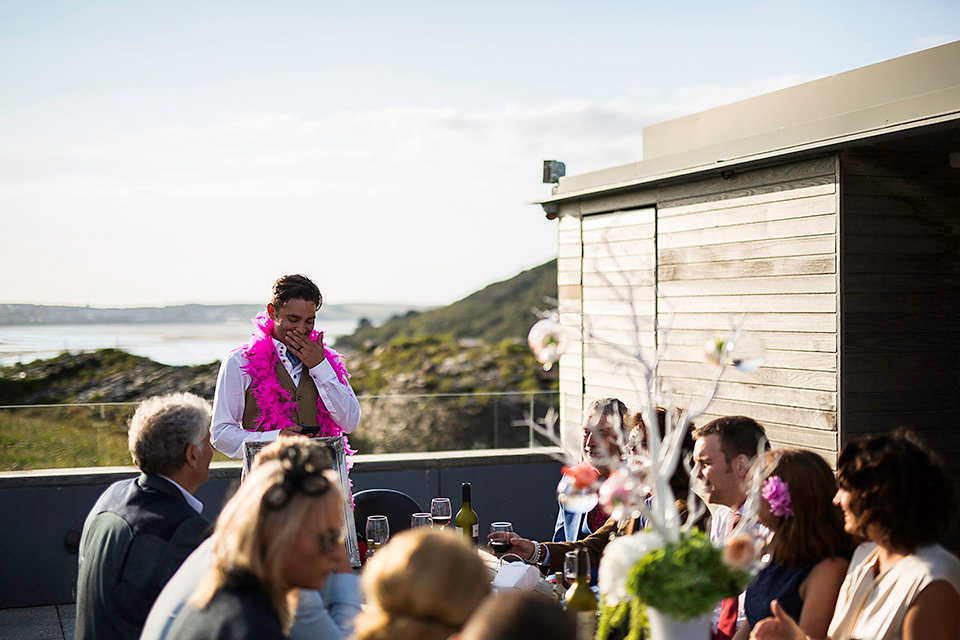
553 170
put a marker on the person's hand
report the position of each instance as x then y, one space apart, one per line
780 627
293 430
310 353
520 546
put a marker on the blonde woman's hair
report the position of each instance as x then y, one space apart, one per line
252 536
423 585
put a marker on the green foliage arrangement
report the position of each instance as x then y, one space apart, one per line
623 621
686 578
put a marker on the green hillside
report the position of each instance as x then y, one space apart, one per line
500 311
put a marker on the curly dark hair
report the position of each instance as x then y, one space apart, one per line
899 486
295 287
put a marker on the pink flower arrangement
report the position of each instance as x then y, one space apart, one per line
583 473
777 494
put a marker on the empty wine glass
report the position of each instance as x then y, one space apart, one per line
498 547
378 532
440 512
420 520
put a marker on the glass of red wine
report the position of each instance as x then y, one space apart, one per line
440 512
570 562
500 547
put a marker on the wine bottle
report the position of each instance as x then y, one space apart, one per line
467 524
581 599
558 588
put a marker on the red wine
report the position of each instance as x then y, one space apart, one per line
499 548
440 521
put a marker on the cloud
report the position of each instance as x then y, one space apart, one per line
401 196
390 149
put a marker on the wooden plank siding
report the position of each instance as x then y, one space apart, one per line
570 309
619 300
900 267
762 242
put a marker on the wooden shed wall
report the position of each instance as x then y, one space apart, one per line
762 243
900 266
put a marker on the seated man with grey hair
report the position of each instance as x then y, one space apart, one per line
141 529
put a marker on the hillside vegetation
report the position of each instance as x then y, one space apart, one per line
500 311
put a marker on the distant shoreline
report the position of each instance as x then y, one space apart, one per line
34 314
170 343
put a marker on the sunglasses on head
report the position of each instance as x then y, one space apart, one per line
300 474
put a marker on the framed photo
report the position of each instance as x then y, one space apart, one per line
335 447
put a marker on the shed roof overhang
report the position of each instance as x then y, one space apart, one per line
914 95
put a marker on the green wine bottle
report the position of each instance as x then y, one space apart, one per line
581 599
466 521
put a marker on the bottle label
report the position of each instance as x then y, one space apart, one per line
476 531
586 625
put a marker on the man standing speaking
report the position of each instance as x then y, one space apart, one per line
285 380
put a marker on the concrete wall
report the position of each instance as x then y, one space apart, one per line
43 508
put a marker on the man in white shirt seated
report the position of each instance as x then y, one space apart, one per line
723 453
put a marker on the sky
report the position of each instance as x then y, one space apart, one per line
156 153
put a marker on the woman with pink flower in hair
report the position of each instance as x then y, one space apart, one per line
809 549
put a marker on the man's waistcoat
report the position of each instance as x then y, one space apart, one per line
304 393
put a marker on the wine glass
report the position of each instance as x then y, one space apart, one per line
500 547
440 512
420 520
570 561
378 532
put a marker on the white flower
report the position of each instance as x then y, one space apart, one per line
621 555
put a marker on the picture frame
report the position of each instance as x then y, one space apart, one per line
338 455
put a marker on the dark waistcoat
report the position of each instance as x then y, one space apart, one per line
304 393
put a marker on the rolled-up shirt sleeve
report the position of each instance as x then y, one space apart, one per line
227 435
338 397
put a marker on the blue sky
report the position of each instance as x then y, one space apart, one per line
172 152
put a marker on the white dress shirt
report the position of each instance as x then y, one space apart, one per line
195 504
226 431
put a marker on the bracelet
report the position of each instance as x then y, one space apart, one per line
536 554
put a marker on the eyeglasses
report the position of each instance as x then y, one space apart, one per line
301 474
330 541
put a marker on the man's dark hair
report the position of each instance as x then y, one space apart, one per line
295 287
609 408
739 435
899 486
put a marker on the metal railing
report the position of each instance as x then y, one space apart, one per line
52 436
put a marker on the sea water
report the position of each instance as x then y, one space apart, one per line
173 344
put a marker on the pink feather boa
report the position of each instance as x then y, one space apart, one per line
276 404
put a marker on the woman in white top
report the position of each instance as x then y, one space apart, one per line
901 583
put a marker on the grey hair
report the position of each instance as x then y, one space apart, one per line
163 427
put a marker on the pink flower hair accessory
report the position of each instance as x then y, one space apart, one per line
777 494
